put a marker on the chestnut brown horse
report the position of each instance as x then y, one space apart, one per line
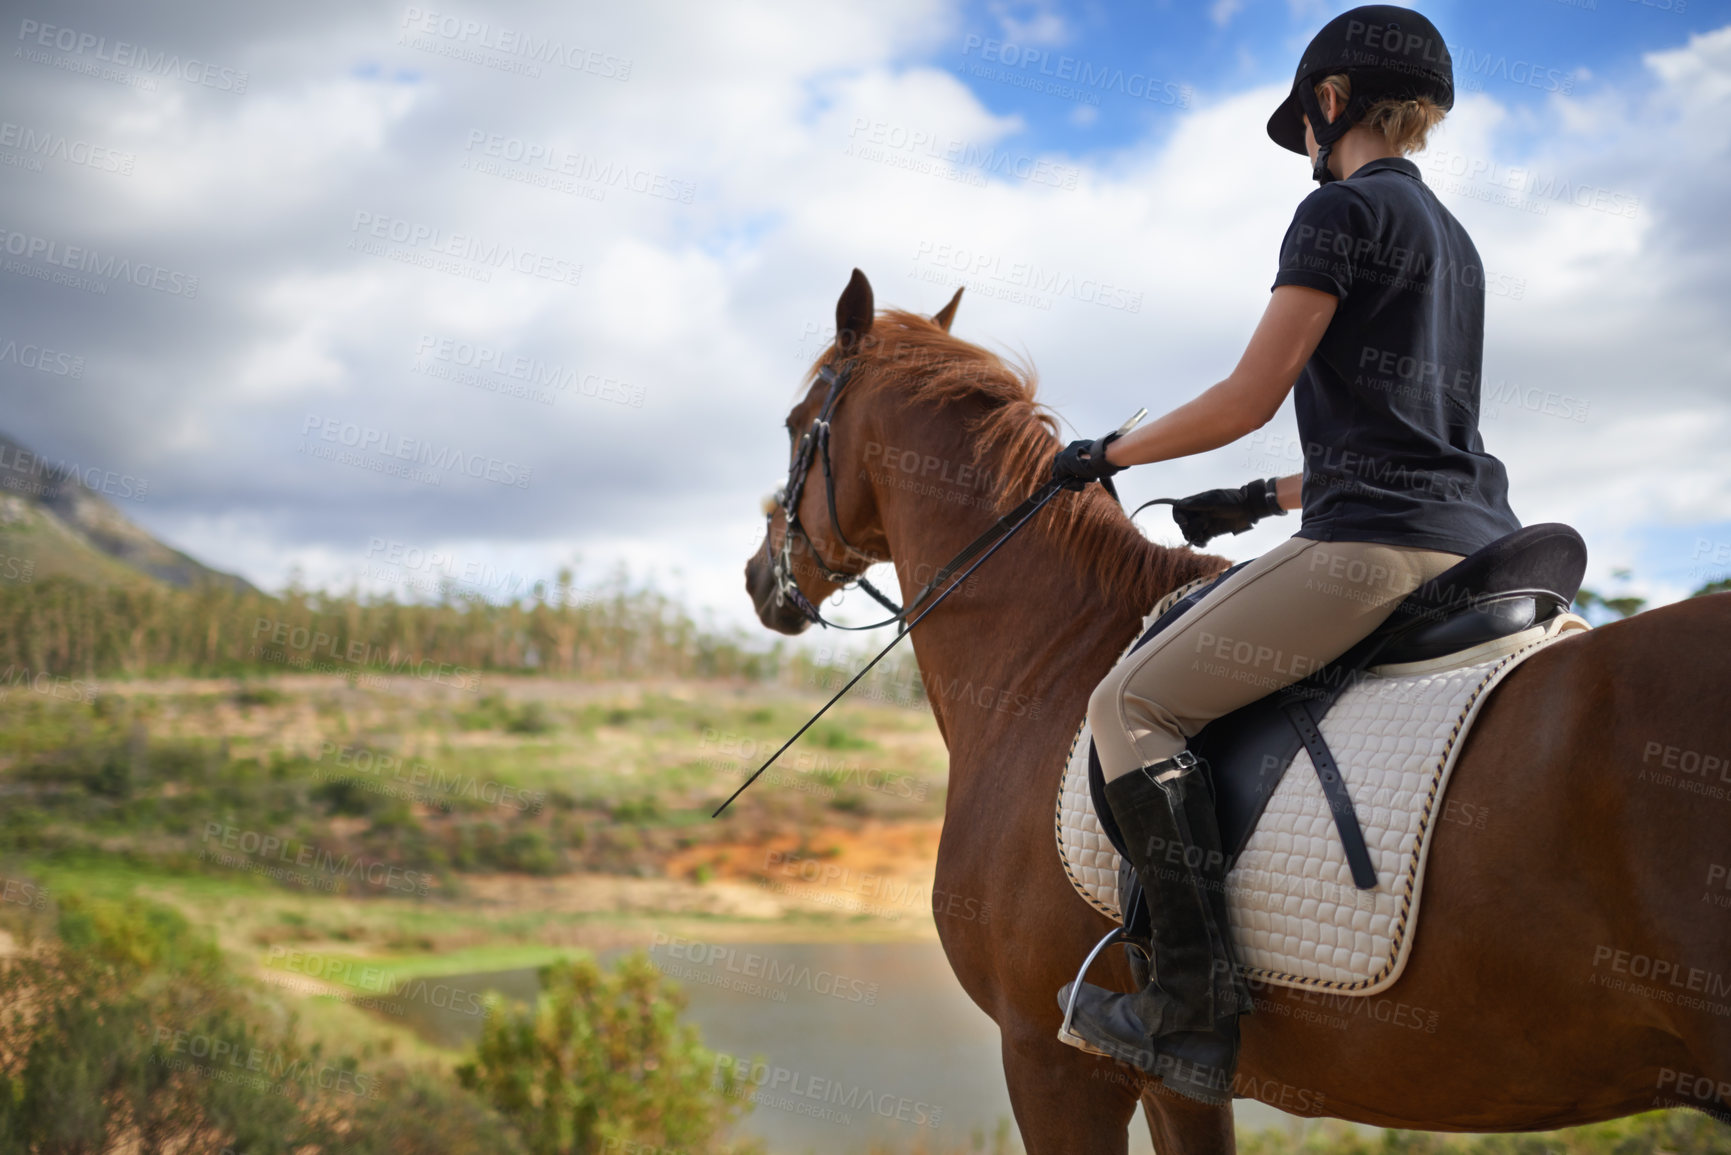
1572 961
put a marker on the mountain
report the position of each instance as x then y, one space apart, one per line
56 520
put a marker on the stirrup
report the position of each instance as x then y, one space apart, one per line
1067 1034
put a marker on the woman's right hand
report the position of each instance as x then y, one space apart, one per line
1080 462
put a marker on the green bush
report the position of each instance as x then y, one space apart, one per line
123 1030
102 1054
834 736
603 1062
644 809
488 713
346 796
527 850
533 718
253 694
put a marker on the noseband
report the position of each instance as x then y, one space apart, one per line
814 445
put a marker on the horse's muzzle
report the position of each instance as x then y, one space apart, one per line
779 615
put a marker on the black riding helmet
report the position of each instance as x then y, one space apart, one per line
1388 52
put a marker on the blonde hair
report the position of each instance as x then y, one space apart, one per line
1405 123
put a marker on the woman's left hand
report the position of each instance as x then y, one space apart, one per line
1204 516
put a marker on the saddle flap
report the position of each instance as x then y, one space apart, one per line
1247 752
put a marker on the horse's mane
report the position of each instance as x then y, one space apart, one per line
1014 439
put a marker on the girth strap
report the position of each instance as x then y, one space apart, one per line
1335 791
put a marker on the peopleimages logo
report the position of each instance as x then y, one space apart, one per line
427 780
37 143
224 1060
804 1093
466 247
467 39
299 645
920 149
367 440
1529 188
87 260
580 166
57 686
1081 79
40 358
26 472
1472 69
484 359
967 262
127 55
275 850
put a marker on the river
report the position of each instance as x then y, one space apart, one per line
848 1043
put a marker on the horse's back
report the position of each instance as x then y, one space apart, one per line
1569 962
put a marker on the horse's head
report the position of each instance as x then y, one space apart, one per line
907 432
836 530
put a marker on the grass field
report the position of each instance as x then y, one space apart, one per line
542 778
419 819
339 838
336 841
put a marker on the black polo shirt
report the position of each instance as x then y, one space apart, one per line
1388 405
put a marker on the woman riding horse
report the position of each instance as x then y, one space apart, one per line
1378 314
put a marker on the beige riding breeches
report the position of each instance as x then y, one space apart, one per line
1287 613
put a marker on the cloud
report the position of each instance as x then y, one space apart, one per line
1031 22
709 206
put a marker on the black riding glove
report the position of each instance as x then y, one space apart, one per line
1217 511
1080 462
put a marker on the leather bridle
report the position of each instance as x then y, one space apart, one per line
814 445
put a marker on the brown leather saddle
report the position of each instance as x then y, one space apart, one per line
1516 582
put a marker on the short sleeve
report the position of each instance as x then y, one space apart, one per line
1332 235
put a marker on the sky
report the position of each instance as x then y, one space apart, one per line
247 234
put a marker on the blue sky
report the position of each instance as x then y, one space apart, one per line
1218 49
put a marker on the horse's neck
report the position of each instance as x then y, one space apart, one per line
1012 644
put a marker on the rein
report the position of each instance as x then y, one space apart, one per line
1001 532
815 443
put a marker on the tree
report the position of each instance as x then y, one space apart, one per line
1622 607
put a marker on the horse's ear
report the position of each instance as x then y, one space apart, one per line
853 312
945 315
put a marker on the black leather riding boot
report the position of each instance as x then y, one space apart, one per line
1183 1025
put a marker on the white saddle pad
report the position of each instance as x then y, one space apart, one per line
1296 918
